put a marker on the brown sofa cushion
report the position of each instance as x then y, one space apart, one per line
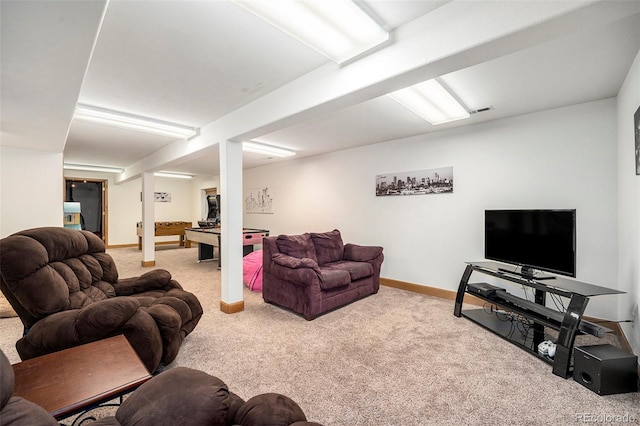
204 399
7 380
297 246
15 410
328 246
269 409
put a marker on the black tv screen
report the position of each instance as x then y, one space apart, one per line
534 239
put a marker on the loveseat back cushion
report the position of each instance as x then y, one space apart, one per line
299 246
328 246
52 269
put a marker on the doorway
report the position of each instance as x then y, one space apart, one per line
92 196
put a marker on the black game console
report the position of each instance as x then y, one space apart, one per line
483 289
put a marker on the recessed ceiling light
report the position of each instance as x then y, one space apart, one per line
259 148
92 168
338 29
172 175
431 101
133 122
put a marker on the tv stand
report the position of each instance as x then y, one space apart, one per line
568 323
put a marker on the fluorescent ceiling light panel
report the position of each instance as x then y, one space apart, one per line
132 122
172 175
338 29
258 148
431 101
91 168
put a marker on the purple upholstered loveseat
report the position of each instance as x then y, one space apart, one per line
313 273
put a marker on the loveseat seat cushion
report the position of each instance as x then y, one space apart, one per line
332 278
299 246
328 246
356 270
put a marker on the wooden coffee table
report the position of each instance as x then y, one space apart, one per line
76 379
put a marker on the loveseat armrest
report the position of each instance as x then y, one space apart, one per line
294 262
359 253
301 271
158 279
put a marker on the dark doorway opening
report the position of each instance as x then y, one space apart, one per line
91 196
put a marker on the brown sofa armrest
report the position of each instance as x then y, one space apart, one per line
65 329
359 253
158 279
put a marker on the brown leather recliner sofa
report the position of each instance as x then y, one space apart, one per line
175 397
66 290
314 273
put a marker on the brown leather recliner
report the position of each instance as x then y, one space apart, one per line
66 290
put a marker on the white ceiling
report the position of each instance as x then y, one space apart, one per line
197 62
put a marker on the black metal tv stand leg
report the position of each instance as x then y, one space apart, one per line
538 329
567 335
457 310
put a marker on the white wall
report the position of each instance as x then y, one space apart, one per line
31 189
628 102
563 158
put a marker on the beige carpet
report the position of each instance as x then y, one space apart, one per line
6 311
395 358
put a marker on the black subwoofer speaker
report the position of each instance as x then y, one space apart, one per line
605 369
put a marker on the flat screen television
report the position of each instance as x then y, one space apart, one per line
532 239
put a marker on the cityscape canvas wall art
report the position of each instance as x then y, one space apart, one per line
420 182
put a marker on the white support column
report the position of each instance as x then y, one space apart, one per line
231 298
148 220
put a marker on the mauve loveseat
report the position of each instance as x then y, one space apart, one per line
66 290
313 273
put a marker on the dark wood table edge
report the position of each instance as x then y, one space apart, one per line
97 401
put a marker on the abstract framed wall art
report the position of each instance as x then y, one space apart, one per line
419 182
259 200
162 197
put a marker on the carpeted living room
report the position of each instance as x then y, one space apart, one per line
396 357
475 262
